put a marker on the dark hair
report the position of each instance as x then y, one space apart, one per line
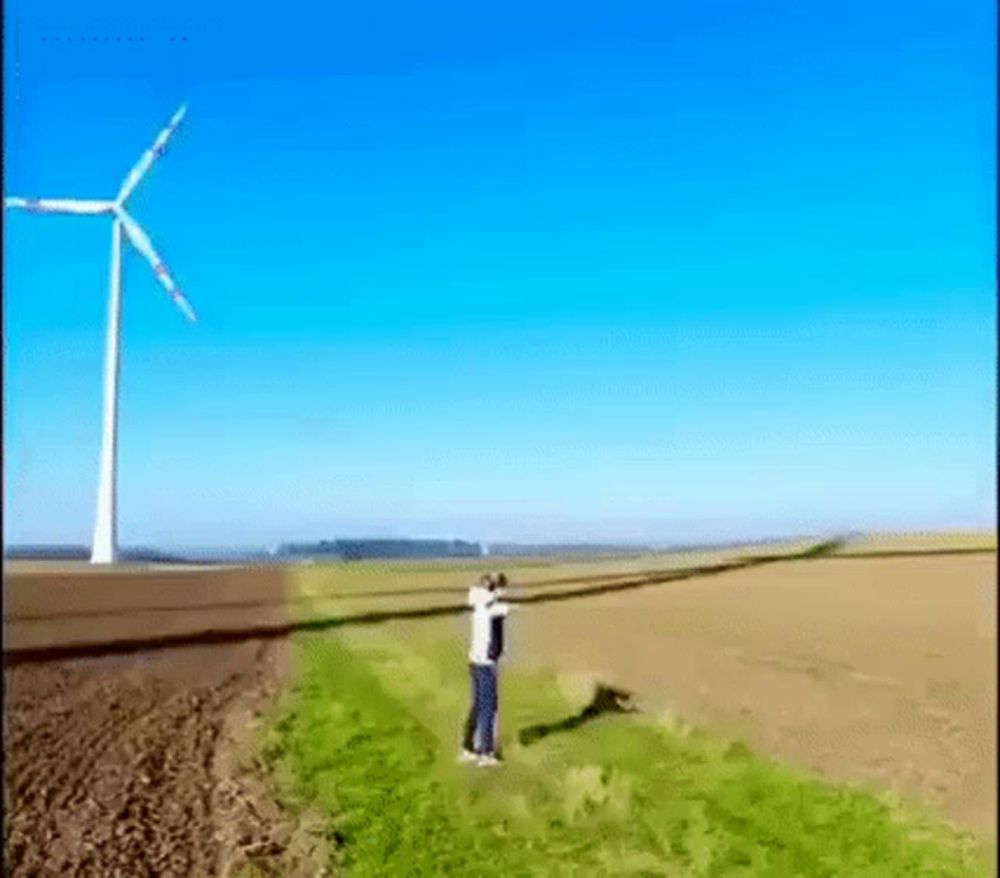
501 580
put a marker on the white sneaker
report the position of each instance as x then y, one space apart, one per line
467 756
487 760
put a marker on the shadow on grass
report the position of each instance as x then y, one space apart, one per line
607 699
218 636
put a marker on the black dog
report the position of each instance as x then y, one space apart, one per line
606 699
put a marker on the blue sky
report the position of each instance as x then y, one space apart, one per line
663 272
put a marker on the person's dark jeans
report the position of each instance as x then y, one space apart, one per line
483 711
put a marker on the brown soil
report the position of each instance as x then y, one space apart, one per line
129 765
60 607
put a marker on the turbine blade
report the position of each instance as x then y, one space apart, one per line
150 155
60 205
141 242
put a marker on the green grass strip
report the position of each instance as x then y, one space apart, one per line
366 737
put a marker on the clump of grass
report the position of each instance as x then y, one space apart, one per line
360 742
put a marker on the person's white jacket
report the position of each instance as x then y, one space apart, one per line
488 613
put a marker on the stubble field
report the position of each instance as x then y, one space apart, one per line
875 668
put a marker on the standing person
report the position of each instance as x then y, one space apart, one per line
488 614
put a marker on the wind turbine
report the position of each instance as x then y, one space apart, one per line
105 546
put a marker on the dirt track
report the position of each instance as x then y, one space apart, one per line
118 765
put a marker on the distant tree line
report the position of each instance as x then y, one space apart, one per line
515 550
357 550
47 552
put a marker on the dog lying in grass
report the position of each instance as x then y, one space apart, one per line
607 699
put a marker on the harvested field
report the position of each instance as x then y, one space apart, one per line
125 690
124 765
880 671
872 671
875 670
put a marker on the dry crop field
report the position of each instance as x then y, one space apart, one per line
871 662
874 662
876 670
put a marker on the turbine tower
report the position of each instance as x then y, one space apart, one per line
105 546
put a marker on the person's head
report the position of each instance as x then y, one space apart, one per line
494 581
486 581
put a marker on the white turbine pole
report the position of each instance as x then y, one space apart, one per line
105 546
